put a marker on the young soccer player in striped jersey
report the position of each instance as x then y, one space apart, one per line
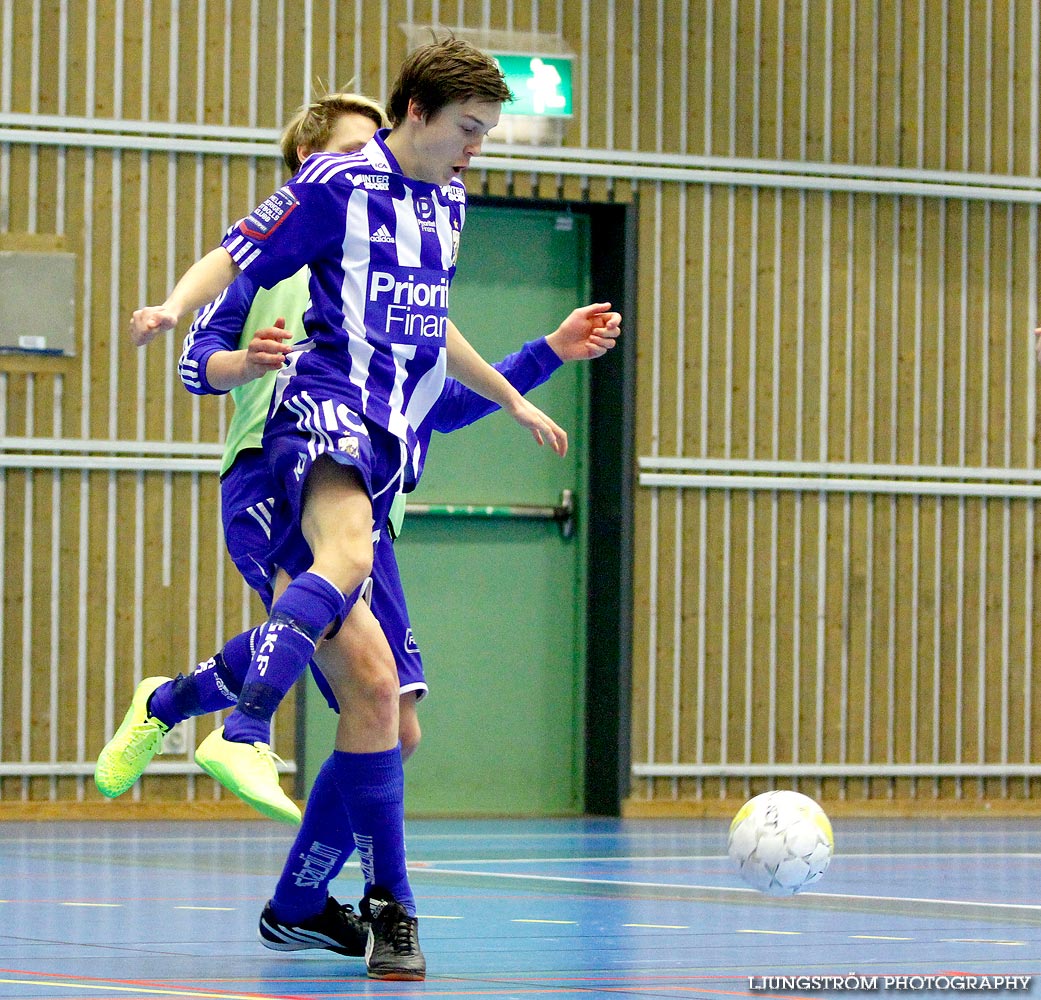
348 427
302 914
222 353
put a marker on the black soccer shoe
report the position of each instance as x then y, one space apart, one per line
392 951
337 928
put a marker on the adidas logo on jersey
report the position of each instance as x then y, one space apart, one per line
382 235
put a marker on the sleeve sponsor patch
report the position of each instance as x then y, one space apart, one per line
268 216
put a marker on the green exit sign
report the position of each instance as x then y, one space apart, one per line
541 85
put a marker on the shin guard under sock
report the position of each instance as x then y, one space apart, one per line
298 618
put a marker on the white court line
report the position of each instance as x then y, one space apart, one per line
574 860
628 837
729 890
1030 907
663 927
979 941
109 905
274 840
940 855
419 864
720 858
65 984
533 920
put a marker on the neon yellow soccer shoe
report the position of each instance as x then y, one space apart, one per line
248 770
138 739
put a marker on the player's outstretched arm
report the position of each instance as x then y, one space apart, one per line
466 365
201 283
588 332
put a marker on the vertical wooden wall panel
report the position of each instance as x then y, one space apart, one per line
895 319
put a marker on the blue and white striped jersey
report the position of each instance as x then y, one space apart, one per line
382 252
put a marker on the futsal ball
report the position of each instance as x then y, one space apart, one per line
781 842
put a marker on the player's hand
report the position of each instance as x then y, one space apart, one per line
149 322
588 332
543 430
267 351
1037 344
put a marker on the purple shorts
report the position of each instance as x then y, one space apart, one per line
303 429
255 517
258 524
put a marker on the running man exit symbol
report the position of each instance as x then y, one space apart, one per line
545 87
541 85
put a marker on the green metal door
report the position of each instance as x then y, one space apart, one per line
498 605
498 602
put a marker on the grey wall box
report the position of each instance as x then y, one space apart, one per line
37 302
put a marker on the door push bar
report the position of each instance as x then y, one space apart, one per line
563 513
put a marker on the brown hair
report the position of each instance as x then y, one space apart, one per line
312 125
442 72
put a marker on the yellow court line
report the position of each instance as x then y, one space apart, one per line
109 905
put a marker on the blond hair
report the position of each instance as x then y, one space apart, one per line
312 125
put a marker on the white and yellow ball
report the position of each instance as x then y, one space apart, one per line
781 842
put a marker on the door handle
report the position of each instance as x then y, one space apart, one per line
563 513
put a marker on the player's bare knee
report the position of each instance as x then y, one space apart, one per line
337 524
383 689
347 563
374 676
356 563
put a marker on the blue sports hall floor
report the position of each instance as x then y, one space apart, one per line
578 908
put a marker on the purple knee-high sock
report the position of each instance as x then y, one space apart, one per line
212 686
373 788
324 843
